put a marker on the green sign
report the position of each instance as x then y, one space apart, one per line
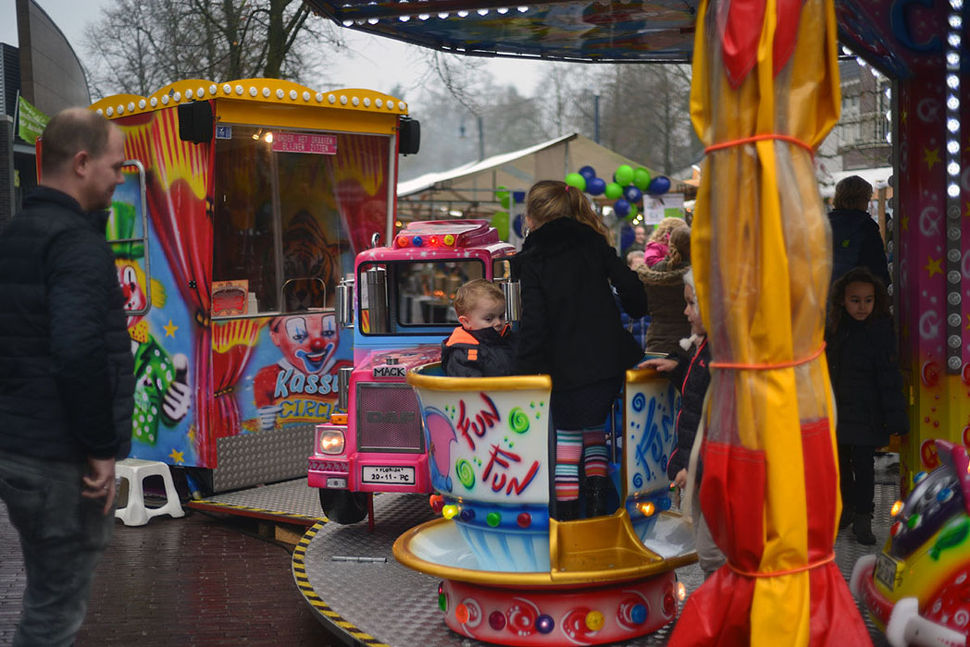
30 121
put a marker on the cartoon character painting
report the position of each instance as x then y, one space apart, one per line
162 392
302 385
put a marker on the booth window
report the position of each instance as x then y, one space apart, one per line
280 238
127 233
421 293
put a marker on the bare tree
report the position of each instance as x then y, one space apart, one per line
140 46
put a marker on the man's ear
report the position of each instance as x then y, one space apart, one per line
79 164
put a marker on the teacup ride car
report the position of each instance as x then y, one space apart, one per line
918 588
511 574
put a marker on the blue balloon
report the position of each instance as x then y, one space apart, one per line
595 186
632 193
659 185
627 236
621 207
517 224
588 172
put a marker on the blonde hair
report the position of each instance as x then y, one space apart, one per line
551 199
678 251
664 227
474 292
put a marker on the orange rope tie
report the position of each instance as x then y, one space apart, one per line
768 367
757 138
790 571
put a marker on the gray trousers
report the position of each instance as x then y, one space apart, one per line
62 537
709 555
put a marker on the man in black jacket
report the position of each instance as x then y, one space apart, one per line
66 373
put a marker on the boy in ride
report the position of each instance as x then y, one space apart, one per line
481 346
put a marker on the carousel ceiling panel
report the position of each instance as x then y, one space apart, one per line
595 31
900 37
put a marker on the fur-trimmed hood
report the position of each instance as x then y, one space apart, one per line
660 275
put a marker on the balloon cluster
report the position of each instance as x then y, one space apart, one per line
500 219
626 189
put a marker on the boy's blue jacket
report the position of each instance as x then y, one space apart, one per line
477 353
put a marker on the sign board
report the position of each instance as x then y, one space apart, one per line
30 121
658 207
304 143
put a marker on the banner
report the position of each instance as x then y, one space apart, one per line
30 121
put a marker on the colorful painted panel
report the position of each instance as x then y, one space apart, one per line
651 410
488 446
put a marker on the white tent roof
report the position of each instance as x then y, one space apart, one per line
877 177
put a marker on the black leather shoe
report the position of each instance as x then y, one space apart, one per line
848 514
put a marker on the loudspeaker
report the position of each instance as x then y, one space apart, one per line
195 122
410 136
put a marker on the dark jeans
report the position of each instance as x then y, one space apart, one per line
62 536
857 477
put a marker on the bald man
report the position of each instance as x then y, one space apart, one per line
66 373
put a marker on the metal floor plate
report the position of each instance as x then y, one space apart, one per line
351 578
292 501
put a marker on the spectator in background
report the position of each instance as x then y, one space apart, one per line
656 249
664 285
855 235
66 373
639 241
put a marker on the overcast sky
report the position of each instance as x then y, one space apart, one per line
377 63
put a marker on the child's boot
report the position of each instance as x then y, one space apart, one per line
597 495
567 510
862 529
848 514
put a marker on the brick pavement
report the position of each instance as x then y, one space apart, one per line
196 581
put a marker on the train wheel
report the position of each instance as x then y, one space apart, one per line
343 506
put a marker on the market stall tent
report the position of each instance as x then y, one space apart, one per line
469 190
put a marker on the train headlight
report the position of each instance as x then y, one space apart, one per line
331 441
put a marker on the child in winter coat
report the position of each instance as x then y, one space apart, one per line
658 243
664 284
482 345
861 352
689 371
570 328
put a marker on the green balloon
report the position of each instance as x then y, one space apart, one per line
641 178
576 180
633 213
613 191
500 220
624 174
503 196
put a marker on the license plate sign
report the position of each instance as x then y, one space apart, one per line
886 568
398 474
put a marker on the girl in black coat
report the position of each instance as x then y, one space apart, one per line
570 328
861 352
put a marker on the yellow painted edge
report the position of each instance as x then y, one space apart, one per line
507 383
311 596
403 554
267 91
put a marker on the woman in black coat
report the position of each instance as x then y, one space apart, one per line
861 353
570 328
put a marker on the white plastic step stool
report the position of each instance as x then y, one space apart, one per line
135 512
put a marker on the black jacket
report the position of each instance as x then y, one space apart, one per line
866 380
66 369
570 326
856 242
477 353
692 377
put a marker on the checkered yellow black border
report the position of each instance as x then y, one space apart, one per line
206 504
329 616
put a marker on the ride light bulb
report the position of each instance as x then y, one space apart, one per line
647 508
896 509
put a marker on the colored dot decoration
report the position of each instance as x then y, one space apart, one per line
442 601
594 620
493 519
496 620
465 473
449 511
524 520
518 420
461 613
545 624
